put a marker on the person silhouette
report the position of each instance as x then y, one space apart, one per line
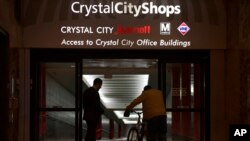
154 113
92 109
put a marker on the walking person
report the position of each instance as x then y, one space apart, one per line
92 109
154 113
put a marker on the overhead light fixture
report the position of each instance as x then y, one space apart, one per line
124 81
132 119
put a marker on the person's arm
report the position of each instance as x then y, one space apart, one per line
100 109
135 102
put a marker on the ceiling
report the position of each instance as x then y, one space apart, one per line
123 80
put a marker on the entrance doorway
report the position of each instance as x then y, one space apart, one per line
60 78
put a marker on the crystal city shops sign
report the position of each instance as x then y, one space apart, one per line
112 24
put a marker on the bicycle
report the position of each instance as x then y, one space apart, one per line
136 133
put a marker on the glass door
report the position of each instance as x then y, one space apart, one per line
56 106
184 86
58 84
123 81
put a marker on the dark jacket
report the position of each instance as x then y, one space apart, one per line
92 104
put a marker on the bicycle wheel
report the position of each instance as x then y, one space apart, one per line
133 134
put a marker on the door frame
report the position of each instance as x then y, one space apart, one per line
205 108
76 55
4 88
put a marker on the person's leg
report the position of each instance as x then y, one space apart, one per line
152 129
162 128
91 131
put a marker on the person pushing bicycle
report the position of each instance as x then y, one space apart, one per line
154 113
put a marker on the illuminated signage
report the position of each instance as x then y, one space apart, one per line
165 28
125 8
116 24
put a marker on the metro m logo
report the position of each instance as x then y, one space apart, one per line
165 28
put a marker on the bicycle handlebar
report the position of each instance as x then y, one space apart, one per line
138 113
127 113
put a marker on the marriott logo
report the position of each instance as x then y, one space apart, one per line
133 29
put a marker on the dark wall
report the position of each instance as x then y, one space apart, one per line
3 85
